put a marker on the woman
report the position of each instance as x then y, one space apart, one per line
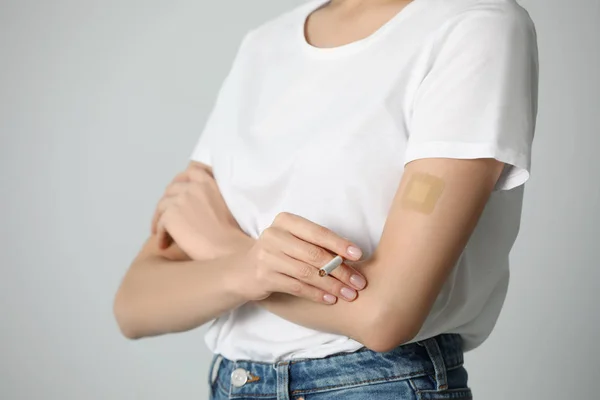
396 134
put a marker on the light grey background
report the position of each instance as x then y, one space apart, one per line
101 103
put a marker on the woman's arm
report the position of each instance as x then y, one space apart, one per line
164 291
174 287
434 212
211 266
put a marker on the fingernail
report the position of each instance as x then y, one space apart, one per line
358 281
354 252
329 298
348 293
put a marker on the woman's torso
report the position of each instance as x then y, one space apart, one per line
322 133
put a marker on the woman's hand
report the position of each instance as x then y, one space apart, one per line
287 256
193 214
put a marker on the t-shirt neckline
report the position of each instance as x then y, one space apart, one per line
352 46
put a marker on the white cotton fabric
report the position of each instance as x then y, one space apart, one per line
325 133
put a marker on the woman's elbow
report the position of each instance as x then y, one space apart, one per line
124 315
382 343
384 333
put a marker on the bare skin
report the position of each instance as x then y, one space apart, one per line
345 21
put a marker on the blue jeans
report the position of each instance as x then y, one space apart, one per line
431 369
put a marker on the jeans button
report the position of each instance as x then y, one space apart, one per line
239 377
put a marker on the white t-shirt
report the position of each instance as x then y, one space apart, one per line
325 133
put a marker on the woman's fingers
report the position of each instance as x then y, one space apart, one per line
181 177
163 237
310 275
155 219
279 252
286 284
161 207
316 234
350 276
316 257
175 187
200 173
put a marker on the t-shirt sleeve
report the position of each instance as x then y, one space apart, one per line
479 97
221 117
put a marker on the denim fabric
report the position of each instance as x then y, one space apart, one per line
431 369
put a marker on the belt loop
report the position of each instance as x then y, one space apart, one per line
433 349
214 368
283 380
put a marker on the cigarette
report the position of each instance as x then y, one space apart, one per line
330 266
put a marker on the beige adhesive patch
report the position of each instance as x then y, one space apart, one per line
422 192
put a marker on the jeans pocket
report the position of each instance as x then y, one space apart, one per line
380 390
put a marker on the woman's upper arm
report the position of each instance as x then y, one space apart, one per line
471 132
433 214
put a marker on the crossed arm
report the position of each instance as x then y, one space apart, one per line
434 212
426 231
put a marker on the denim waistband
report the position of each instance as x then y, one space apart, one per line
433 356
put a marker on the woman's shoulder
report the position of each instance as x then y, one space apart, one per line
485 14
478 26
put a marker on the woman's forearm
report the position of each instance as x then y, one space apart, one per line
315 316
364 320
356 319
159 295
